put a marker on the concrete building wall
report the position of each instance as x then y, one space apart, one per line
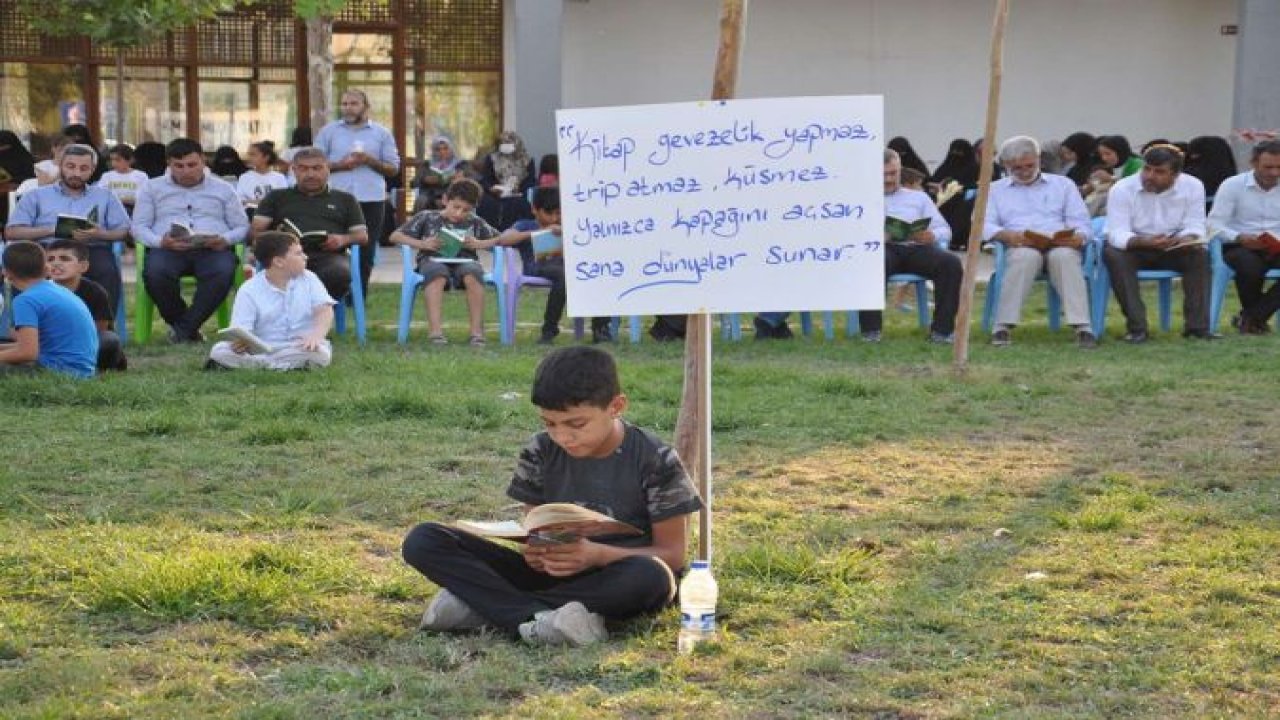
1143 68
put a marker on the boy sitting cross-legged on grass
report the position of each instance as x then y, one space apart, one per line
285 306
561 594
463 268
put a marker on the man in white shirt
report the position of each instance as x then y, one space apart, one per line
921 254
1026 207
362 155
284 306
1246 209
1156 221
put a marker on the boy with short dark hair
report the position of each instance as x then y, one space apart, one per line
285 306
66 262
53 329
422 231
546 216
557 594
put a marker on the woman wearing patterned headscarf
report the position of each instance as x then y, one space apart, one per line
508 175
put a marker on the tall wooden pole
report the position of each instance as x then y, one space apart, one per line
984 187
693 427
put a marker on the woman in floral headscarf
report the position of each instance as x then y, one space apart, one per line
508 175
436 173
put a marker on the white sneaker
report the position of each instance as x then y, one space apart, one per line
447 613
570 624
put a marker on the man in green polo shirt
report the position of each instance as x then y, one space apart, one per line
327 220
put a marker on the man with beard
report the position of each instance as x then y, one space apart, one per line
91 215
189 220
362 155
329 220
1246 215
1156 221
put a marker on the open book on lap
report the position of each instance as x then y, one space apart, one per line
551 523
1040 241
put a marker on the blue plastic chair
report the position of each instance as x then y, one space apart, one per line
357 300
410 281
996 284
1221 276
122 312
1101 285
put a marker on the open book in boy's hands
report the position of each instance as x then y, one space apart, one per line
546 244
1040 241
255 343
551 523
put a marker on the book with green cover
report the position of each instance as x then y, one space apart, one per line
450 241
899 230
68 224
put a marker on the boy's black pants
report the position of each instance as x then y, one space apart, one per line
496 582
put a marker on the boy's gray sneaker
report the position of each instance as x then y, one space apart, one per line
570 624
447 613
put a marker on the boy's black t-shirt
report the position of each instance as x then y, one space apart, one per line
95 297
641 483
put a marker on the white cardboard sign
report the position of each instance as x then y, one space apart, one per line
723 206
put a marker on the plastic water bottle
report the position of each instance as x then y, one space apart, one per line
697 607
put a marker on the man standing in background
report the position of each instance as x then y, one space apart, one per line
362 155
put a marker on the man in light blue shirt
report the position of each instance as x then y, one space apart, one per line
1028 207
188 220
36 216
1246 215
362 155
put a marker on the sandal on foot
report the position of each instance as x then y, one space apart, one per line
438 340
477 341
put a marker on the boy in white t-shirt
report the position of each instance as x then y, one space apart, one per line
122 180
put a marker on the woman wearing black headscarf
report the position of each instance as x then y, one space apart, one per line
908 155
1210 159
149 158
16 165
960 166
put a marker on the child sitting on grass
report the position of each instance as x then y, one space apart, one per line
285 306
53 329
558 594
461 269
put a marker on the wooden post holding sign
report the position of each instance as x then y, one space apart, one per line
693 425
984 186
697 207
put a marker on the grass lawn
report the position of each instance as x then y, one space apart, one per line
179 544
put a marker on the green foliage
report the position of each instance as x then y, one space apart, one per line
120 23
312 9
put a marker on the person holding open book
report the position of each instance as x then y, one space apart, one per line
541 246
326 220
74 209
447 241
1246 215
1156 220
572 570
282 315
915 235
188 220
1043 223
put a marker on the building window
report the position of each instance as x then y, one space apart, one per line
155 108
40 100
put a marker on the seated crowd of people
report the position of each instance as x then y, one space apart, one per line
299 214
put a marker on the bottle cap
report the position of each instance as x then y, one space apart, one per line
700 565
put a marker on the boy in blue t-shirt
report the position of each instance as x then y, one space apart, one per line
546 214
53 328
559 589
